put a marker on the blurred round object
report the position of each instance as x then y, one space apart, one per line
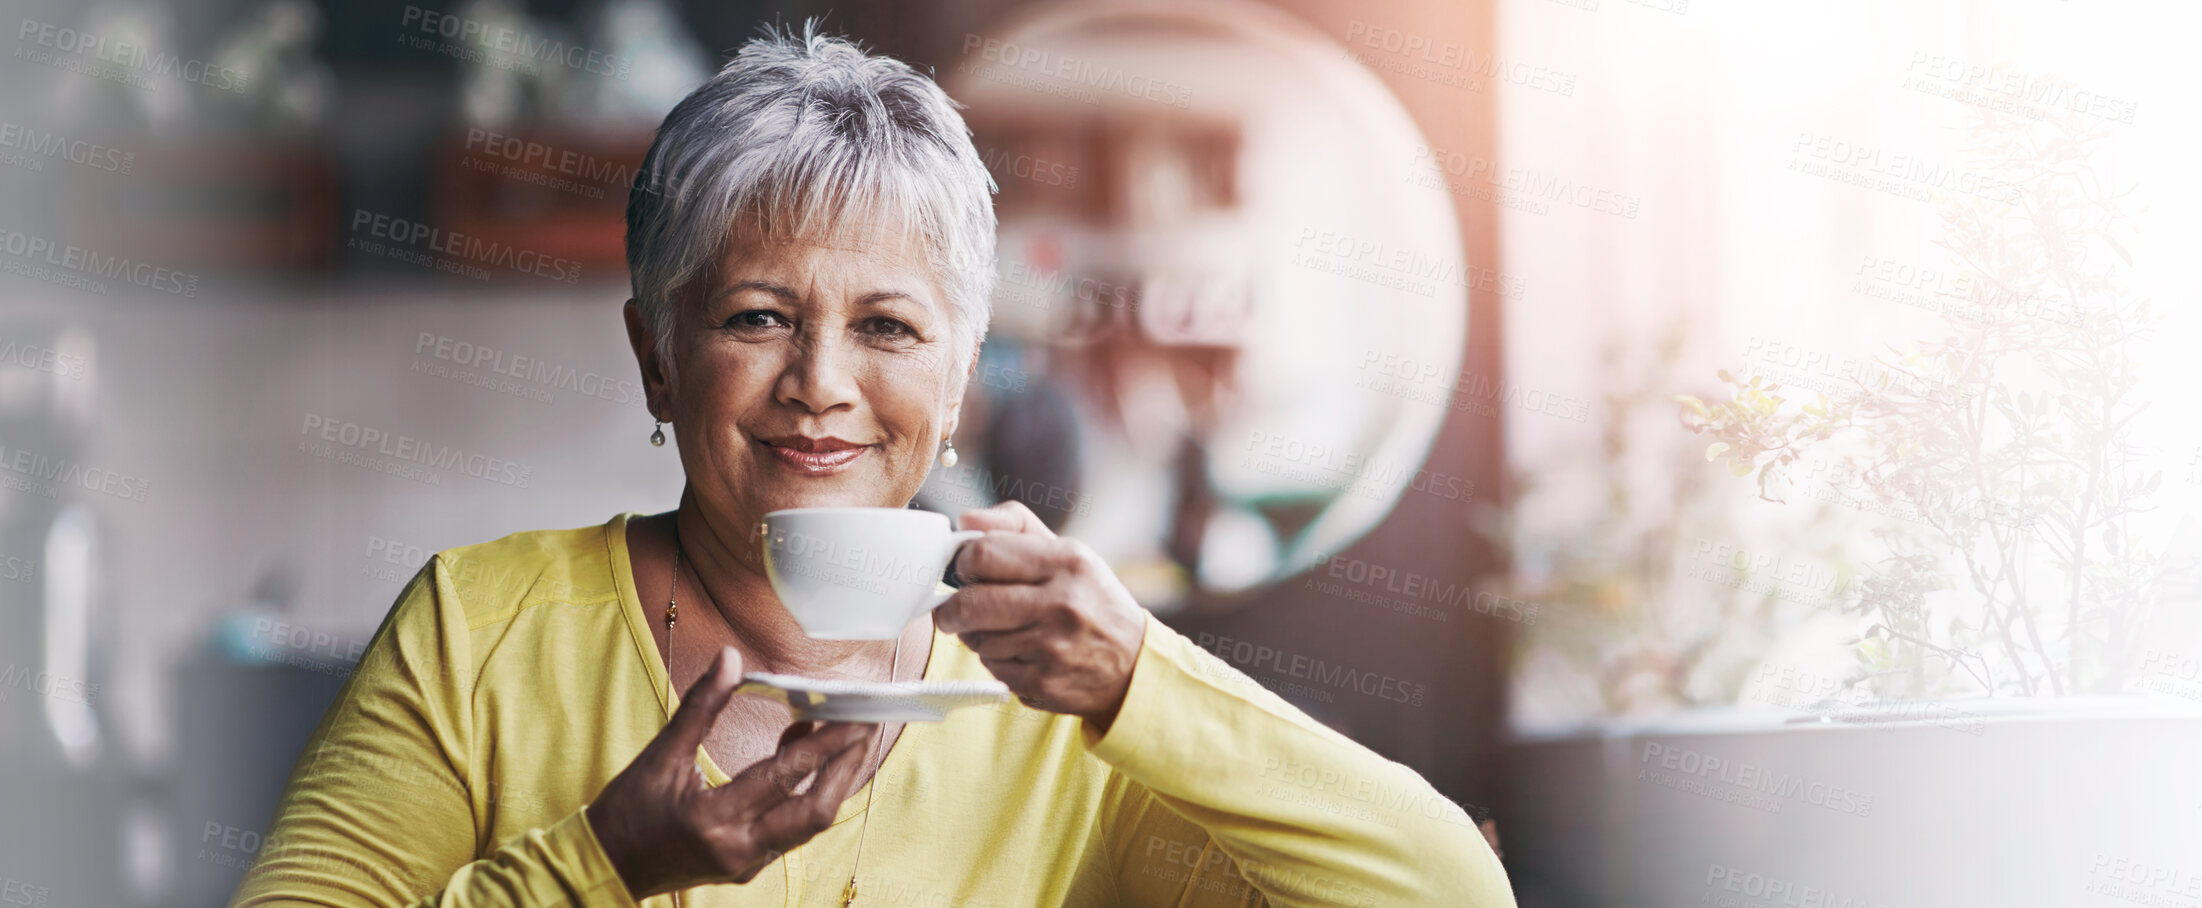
1213 232
650 62
283 89
494 93
146 834
149 32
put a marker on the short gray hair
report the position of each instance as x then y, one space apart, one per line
798 132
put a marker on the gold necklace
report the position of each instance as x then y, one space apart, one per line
871 787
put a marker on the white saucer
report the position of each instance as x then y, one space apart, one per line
826 700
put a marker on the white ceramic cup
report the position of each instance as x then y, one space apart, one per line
859 573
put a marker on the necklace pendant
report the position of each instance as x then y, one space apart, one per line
848 896
672 613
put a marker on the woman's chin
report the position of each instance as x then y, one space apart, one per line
783 492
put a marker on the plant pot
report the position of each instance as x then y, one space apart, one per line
2064 802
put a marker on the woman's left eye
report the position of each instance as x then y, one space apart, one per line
887 327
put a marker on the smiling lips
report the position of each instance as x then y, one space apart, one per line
815 456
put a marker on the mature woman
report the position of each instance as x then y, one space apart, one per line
810 240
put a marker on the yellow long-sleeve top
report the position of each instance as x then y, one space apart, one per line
514 678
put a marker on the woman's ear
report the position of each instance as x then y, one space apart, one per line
656 386
954 415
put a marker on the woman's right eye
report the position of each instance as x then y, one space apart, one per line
754 318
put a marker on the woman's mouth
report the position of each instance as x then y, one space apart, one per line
815 456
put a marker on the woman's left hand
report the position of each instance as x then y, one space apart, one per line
1045 614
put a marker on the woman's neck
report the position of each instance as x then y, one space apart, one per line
737 593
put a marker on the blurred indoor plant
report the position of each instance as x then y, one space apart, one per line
1650 607
2004 448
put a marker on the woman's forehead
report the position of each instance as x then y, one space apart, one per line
865 253
866 234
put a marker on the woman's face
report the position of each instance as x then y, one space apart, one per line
813 374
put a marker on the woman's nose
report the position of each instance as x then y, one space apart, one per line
819 377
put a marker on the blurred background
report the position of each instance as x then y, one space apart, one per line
1738 447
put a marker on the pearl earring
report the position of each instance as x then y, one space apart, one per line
657 436
948 453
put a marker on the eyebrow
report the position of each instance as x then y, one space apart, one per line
788 294
782 291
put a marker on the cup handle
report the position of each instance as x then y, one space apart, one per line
956 541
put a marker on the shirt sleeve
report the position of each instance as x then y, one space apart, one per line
1233 796
379 811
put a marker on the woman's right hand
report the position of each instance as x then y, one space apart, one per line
665 829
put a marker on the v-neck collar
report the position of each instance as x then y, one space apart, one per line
653 662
